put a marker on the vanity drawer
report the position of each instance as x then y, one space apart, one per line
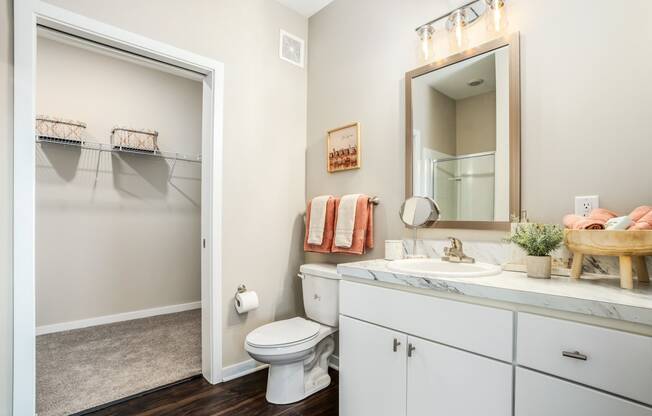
541 395
480 329
610 360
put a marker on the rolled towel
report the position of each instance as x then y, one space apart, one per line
640 212
640 226
619 223
644 223
602 214
577 222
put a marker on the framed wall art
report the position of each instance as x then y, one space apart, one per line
343 148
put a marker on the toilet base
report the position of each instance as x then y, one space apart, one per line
293 382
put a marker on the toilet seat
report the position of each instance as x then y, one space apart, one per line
286 333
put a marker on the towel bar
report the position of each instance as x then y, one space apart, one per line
373 200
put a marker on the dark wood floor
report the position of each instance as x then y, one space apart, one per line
244 396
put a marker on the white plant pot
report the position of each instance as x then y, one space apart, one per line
538 267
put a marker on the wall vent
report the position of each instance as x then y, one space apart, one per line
292 49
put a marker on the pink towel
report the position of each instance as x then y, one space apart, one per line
577 222
363 232
640 212
644 222
329 228
602 214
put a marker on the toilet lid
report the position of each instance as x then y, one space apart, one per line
280 333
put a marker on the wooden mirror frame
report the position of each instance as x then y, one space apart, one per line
512 41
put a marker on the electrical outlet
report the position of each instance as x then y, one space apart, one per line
585 204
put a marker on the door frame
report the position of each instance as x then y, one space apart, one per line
28 15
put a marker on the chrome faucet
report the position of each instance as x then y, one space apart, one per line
455 253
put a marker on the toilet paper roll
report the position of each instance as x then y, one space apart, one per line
246 301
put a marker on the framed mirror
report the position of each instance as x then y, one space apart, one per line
463 135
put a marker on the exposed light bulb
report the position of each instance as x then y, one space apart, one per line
456 24
426 43
496 17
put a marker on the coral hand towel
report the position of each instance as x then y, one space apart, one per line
577 222
363 234
329 228
644 222
346 213
602 214
317 219
640 212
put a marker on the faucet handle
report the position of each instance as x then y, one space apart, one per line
456 243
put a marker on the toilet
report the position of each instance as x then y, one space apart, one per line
297 349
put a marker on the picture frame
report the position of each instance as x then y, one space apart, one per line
343 148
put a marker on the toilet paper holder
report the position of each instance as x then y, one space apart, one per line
241 289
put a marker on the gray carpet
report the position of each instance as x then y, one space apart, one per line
84 368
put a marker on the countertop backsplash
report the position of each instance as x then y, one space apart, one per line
496 252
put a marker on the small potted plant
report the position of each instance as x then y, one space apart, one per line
538 241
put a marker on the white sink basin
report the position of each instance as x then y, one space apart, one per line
438 268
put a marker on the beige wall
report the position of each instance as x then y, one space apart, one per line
6 137
264 132
434 117
117 236
475 120
585 111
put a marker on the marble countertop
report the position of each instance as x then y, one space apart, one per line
601 297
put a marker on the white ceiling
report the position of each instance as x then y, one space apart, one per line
453 80
305 7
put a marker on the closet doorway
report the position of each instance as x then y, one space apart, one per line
117 235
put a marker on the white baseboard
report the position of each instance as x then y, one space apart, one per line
251 366
334 362
241 369
110 319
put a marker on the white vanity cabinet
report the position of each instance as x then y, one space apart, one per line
386 372
541 395
404 353
375 359
446 381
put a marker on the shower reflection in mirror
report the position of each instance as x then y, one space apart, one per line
460 116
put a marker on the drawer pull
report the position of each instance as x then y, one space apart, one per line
410 349
574 354
396 344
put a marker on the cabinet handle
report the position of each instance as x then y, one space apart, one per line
410 349
574 354
396 344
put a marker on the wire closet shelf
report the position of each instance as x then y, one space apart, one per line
107 147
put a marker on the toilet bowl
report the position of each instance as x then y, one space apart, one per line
297 349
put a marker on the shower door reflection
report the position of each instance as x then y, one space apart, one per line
463 186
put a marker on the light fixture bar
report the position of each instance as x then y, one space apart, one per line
445 16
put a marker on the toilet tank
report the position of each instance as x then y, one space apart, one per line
320 284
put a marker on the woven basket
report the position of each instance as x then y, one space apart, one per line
141 140
59 129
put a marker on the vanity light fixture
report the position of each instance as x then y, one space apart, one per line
457 20
426 42
496 18
456 24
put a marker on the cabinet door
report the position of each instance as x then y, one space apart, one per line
447 381
372 370
541 395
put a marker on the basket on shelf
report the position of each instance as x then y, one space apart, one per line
58 129
141 140
631 248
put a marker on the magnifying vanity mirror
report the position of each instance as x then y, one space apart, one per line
419 211
463 136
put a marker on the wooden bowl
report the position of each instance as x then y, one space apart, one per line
609 243
629 246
